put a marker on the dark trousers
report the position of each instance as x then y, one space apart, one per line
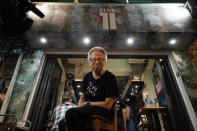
76 117
62 125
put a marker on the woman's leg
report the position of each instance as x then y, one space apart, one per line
74 120
76 117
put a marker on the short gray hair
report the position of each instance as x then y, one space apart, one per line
97 48
66 96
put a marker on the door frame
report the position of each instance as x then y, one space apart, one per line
183 91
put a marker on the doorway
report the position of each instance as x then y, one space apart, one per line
159 86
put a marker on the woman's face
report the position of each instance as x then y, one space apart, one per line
97 61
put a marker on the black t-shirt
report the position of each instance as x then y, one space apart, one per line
99 89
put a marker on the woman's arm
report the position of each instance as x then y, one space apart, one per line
124 118
81 101
107 104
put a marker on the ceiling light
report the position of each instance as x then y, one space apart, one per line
78 86
86 40
80 93
78 79
129 41
176 13
136 78
43 40
173 41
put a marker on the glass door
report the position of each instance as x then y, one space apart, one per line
45 98
175 116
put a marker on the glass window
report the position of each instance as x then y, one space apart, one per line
189 76
7 67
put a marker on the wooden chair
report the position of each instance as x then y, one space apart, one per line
9 125
23 125
98 122
146 123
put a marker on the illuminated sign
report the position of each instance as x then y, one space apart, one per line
108 18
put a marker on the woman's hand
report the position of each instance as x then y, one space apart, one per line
83 104
50 124
81 101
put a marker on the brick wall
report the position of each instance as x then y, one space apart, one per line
192 51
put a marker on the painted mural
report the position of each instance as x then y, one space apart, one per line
24 82
109 25
10 46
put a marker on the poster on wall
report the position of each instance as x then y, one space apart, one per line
160 92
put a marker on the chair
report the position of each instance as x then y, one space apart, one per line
146 122
98 122
23 125
9 122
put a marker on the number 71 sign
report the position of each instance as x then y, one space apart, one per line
107 17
